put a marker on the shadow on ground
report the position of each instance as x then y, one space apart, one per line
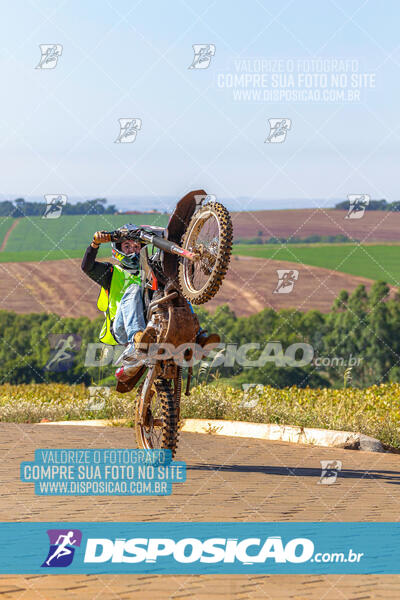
388 476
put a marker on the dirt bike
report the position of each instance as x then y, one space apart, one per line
189 264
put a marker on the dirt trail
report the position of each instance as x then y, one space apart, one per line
57 286
5 239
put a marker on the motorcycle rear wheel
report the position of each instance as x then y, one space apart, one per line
209 235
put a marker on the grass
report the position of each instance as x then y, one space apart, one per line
31 403
374 411
67 237
41 255
371 261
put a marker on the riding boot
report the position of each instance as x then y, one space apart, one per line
134 354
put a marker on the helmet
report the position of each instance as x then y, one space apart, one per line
128 261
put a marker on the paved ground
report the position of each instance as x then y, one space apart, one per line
228 479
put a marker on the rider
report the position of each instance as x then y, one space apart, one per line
121 295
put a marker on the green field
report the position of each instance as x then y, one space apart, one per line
37 239
374 262
67 237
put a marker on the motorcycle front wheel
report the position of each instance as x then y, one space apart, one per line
209 237
158 426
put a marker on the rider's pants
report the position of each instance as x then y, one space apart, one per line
129 318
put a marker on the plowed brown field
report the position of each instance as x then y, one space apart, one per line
374 226
59 286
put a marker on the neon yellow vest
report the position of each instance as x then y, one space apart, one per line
108 300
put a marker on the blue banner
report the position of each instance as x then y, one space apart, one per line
197 548
102 472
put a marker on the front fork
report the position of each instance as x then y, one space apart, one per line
151 376
146 391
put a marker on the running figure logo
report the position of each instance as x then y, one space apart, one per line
128 130
203 54
278 129
205 198
98 394
286 280
357 205
54 205
62 349
329 471
251 399
50 54
61 551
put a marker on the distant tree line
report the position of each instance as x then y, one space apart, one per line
373 205
361 332
20 208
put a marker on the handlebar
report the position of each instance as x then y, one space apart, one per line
148 237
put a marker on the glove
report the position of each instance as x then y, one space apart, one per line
101 238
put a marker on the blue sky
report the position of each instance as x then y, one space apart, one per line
130 59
